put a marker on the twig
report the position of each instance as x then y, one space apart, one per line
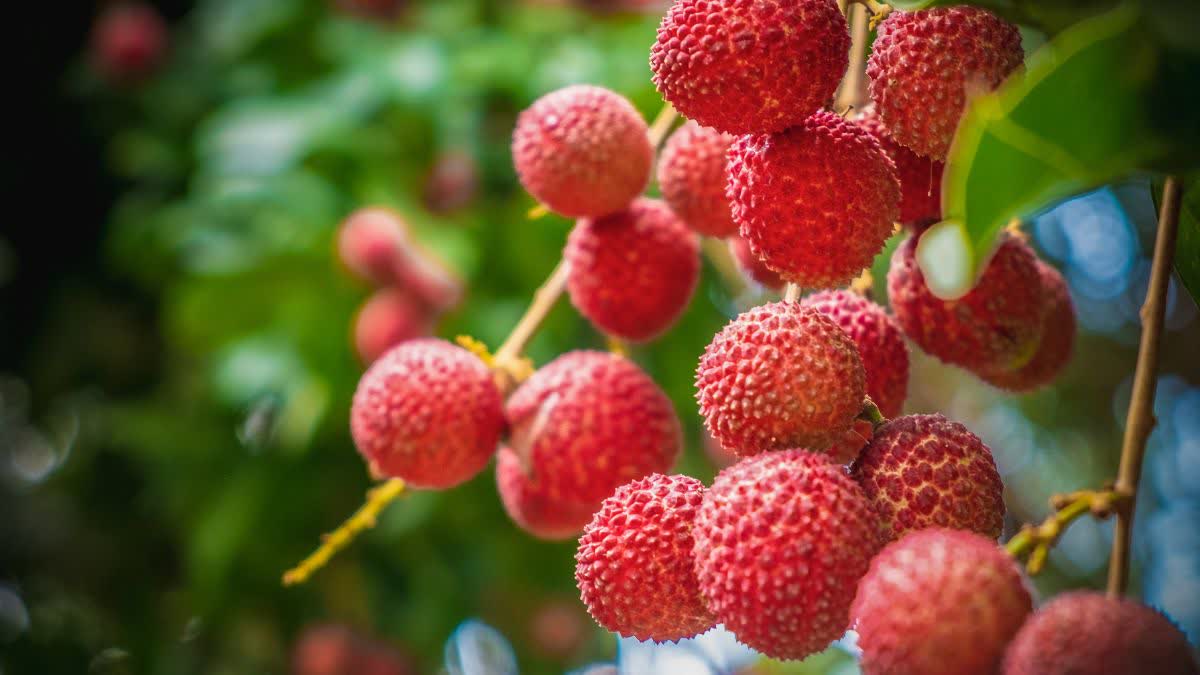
662 125
717 252
871 413
544 298
852 93
1035 541
791 292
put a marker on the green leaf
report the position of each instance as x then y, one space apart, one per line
1187 246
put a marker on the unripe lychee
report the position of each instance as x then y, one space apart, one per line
389 317
780 376
750 66
582 151
924 471
752 266
1057 343
1087 633
375 245
815 202
581 426
994 327
920 177
782 540
939 601
634 566
692 176
427 412
128 40
632 272
925 66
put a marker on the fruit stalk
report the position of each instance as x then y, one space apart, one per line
853 91
1037 540
662 124
791 292
543 301
722 261
1139 421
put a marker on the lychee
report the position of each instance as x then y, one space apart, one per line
632 272
939 601
920 177
925 66
452 182
1087 633
427 412
815 202
752 266
691 174
750 66
782 540
780 376
1057 343
924 471
634 565
375 245
389 317
128 40
994 327
582 151
581 426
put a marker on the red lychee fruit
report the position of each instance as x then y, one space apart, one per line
332 649
582 151
581 426
1055 349
782 540
452 182
924 471
128 40
558 627
780 376
634 564
691 174
920 177
752 266
925 66
815 202
939 601
389 317
1086 633
750 66
427 412
632 272
994 327
375 245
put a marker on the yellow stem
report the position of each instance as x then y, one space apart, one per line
1035 541
662 125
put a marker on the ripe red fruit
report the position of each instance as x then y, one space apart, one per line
428 412
335 650
994 327
925 65
452 182
1087 633
128 40
582 151
633 272
581 426
815 202
376 246
634 564
779 376
750 66
691 174
752 266
920 177
782 540
1057 343
924 471
939 601
388 318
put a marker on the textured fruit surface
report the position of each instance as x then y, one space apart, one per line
920 177
128 40
994 327
939 601
1086 633
926 471
779 376
782 540
925 65
388 318
582 151
1057 344
691 174
633 272
428 412
752 266
581 426
634 563
750 66
815 202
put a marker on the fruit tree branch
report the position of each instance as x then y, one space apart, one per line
853 91
662 125
1035 541
543 301
791 292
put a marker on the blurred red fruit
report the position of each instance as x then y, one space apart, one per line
452 183
389 317
376 246
128 40
753 266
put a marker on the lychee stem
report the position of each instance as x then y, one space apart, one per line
1139 421
1037 540
879 11
872 414
722 260
792 291
544 298
662 125
852 93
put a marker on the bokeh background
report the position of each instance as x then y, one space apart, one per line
176 362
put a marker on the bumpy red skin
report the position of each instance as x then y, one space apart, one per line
634 564
751 266
782 540
388 318
128 41
427 412
376 246
924 471
779 376
1086 633
920 177
815 202
1057 345
925 65
939 601
582 151
750 66
691 174
633 272
994 327
581 426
